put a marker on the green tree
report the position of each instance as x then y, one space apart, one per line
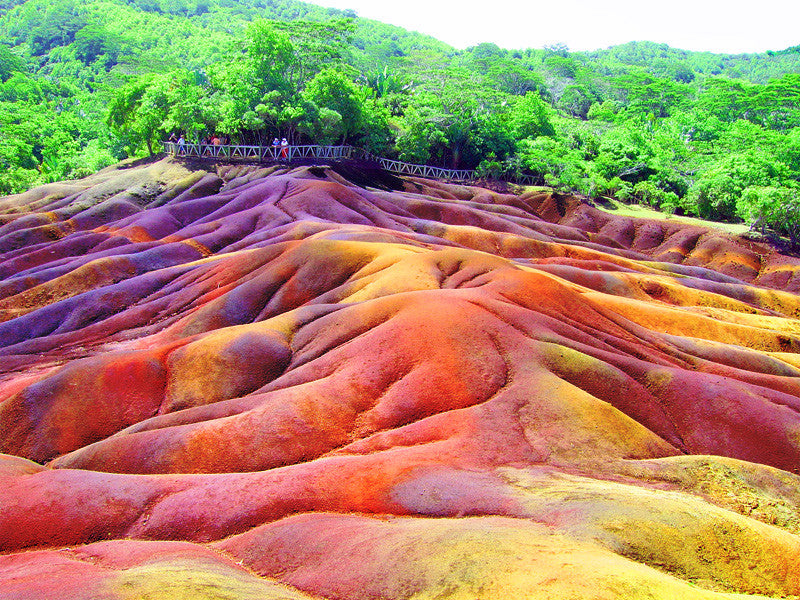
719 188
333 91
553 162
9 64
19 87
147 109
644 94
472 121
94 41
270 56
726 99
136 119
774 208
626 152
575 100
530 117
317 44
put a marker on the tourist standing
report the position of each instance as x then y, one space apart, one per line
284 148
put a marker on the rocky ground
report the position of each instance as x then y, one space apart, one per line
329 382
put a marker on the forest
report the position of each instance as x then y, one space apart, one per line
84 84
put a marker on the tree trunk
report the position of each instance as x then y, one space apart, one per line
456 158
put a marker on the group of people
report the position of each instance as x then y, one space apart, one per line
214 140
280 148
180 141
283 145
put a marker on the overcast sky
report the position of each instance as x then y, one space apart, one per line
724 26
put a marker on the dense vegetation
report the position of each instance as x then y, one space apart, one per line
84 84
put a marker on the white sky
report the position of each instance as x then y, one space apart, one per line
722 26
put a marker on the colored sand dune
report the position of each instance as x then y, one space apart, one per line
329 382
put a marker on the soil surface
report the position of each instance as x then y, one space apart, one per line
326 381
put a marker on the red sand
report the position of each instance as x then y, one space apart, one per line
257 383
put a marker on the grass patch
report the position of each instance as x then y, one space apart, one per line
615 207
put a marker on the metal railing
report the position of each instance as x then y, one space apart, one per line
279 153
403 168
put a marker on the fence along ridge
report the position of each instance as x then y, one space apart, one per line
213 152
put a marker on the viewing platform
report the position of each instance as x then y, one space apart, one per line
297 153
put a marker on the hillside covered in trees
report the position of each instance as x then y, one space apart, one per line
85 84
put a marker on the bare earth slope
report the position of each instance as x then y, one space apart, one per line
261 383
